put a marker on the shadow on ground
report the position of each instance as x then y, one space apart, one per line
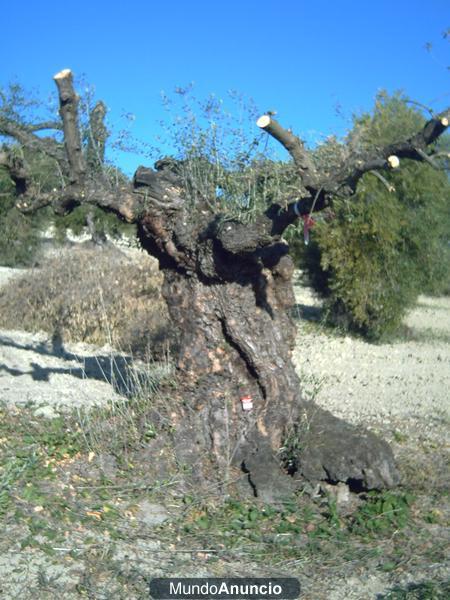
114 368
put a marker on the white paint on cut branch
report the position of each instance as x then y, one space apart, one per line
263 121
63 74
393 161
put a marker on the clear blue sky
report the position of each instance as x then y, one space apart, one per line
299 57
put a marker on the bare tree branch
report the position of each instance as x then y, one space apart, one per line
121 201
68 109
389 157
27 139
427 158
296 148
322 189
45 125
390 188
97 136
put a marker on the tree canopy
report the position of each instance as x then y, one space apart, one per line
371 253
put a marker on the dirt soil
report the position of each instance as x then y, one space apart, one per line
400 390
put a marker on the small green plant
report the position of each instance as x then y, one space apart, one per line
400 437
382 513
290 450
10 474
294 442
58 439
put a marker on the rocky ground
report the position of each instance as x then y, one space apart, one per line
399 389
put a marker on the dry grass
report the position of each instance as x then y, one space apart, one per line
92 295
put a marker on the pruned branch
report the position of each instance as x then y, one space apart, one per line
390 188
68 109
322 188
83 188
158 189
121 201
97 136
296 148
389 157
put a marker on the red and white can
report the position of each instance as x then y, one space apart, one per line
247 402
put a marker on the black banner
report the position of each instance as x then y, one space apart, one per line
228 588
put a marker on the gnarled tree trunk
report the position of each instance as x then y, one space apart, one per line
228 287
231 304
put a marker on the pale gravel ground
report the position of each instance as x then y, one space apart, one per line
51 378
33 372
402 386
364 382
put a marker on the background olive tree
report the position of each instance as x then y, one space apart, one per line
373 256
21 234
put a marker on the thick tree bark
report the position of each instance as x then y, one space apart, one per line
96 135
236 337
228 287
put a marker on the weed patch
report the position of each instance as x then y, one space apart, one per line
427 590
59 502
94 296
299 529
382 513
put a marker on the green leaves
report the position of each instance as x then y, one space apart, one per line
383 513
382 249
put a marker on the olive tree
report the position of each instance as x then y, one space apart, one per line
238 405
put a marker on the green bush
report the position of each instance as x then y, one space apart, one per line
382 248
104 223
19 233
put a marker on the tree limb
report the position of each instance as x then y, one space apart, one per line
122 201
97 136
27 139
390 188
320 190
296 148
68 109
45 125
163 188
388 157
